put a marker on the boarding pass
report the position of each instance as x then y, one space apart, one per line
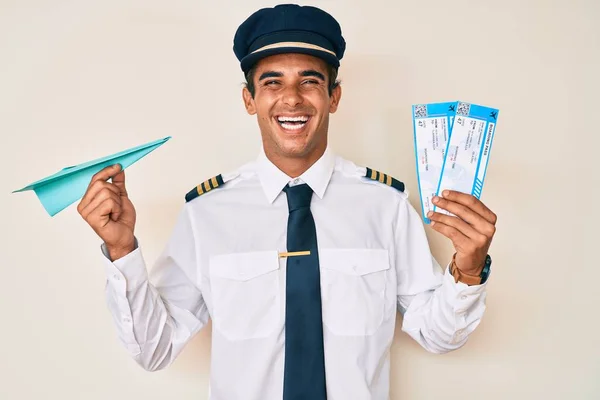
431 124
466 153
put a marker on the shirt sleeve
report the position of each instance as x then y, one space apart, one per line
157 314
438 312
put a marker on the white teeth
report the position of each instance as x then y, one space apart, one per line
303 118
292 127
286 124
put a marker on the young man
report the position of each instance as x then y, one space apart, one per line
300 258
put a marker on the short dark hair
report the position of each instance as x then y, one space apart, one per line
332 73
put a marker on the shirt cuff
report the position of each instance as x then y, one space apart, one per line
128 272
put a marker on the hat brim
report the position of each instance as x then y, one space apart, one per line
251 59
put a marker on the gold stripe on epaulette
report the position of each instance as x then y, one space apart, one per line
381 177
214 182
373 174
199 189
389 181
206 186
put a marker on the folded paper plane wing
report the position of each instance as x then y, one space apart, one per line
56 192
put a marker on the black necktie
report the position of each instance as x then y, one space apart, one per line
304 374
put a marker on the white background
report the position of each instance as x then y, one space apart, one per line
83 79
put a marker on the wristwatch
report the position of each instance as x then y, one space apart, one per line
485 272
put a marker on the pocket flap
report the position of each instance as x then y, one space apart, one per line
354 261
244 266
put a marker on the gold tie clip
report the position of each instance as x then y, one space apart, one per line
294 254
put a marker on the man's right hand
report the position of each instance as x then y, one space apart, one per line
107 209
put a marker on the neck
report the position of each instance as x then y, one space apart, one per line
295 166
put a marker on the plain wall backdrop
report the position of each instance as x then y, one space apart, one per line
83 79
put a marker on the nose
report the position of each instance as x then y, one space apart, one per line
292 96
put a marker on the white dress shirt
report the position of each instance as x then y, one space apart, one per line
222 262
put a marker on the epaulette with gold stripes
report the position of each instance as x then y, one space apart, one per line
383 178
204 187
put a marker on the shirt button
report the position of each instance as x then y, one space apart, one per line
126 320
463 297
116 277
296 181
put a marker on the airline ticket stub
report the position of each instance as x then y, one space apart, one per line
468 150
432 125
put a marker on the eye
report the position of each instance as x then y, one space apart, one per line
271 83
311 82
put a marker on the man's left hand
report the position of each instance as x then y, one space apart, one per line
471 229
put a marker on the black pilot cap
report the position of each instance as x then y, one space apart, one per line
289 28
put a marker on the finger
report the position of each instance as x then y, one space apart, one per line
93 190
471 217
459 240
119 181
471 202
460 225
106 173
115 212
99 199
99 216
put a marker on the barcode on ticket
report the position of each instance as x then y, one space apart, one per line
420 111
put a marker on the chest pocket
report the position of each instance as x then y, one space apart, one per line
245 292
353 288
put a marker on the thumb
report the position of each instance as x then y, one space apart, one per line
119 181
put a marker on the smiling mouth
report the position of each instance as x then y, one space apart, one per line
293 123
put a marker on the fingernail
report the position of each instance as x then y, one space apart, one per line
429 214
432 223
446 193
435 199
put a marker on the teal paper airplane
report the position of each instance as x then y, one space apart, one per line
56 192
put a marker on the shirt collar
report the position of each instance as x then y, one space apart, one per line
273 180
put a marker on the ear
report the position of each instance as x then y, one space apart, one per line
334 99
248 101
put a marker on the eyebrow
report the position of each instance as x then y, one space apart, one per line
270 74
275 74
312 72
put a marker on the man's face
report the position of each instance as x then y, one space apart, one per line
292 104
